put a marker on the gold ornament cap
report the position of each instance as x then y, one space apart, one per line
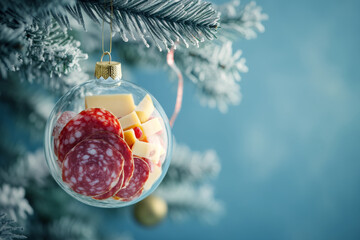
108 69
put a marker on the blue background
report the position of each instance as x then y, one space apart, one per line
290 152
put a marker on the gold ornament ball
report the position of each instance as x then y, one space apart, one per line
150 211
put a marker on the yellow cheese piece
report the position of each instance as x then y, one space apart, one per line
119 104
130 137
145 108
146 150
151 127
153 176
156 157
129 121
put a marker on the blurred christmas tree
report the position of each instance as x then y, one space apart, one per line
41 58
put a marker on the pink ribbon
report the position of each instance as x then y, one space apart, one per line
171 63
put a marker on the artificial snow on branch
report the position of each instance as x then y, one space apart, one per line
9 229
161 22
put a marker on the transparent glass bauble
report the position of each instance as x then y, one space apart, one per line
74 101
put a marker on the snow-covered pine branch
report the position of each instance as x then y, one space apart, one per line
14 203
53 52
9 229
161 22
215 70
186 200
241 22
185 187
40 54
191 166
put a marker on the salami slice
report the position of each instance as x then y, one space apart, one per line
92 167
119 143
85 124
112 191
61 122
140 176
136 195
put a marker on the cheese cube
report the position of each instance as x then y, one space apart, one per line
129 121
118 104
151 127
157 154
145 108
153 176
130 137
146 150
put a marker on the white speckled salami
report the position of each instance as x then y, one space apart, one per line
60 123
119 143
92 167
136 184
85 124
112 191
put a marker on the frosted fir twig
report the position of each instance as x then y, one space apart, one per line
241 22
9 229
160 22
41 54
10 49
215 69
70 228
185 200
14 203
50 52
192 166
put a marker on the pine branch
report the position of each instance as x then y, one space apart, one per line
184 187
10 49
241 22
215 69
14 203
9 229
185 200
53 52
160 22
190 166
43 55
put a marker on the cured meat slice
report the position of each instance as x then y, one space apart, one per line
119 143
112 191
140 176
85 124
61 122
136 195
92 167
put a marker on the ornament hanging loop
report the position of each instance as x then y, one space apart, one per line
106 53
107 69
